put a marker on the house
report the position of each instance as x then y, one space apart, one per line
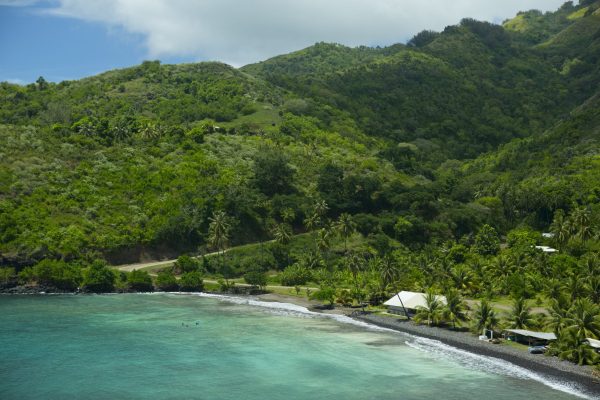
546 249
530 338
409 301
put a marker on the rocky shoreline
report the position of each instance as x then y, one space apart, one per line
581 376
33 289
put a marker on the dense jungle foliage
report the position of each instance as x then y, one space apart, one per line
434 165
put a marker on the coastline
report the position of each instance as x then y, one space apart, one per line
550 367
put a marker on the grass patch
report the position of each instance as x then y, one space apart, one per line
578 14
266 116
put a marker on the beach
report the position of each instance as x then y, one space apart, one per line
551 367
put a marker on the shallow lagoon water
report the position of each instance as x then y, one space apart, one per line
167 346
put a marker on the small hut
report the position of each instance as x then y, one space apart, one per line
530 338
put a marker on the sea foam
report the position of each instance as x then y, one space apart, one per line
434 348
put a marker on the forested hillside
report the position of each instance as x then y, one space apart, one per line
421 143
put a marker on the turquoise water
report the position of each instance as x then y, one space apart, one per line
188 347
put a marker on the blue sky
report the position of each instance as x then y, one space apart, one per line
71 39
34 43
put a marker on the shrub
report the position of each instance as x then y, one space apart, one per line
486 241
191 282
186 264
7 276
166 281
295 275
263 262
256 278
326 293
98 278
139 281
53 273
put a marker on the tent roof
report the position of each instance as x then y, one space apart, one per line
411 300
594 343
533 334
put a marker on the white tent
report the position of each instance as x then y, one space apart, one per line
409 300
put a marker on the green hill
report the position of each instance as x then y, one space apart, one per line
422 143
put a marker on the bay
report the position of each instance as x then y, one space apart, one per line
168 346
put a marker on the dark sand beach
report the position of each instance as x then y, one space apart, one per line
552 367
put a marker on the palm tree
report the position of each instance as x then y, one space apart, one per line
593 288
584 319
462 277
560 228
520 315
575 287
590 265
581 219
288 215
503 268
559 307
321 208
312 260
355 264
432 311
345 226
311 222
218 233
282 234
553 288
570 347
150 131
323 239
388 270
455 309
484 317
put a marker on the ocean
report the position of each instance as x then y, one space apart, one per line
170 346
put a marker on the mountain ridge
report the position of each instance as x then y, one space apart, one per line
142 156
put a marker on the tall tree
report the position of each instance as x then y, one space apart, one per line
218 234
432 311
345 227
581 219
520 314
484 317
282 234
455 308
583 319
560 228
486 241
355 265
559 308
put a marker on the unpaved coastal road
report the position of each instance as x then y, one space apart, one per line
131 267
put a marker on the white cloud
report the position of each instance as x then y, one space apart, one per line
243 31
